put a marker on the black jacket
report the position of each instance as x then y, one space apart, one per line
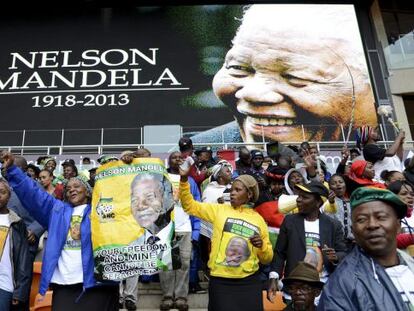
291 245
360 283
21 262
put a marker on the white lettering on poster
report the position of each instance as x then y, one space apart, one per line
89 71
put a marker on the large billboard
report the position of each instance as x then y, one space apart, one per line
227 73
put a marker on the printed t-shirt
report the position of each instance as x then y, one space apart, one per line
6 277
313 248
69 269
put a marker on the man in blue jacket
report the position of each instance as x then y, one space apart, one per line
68 263
375 275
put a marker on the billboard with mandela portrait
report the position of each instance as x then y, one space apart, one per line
227 73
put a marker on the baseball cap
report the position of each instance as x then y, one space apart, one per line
203 149
368 194
185 144
257 154
315 187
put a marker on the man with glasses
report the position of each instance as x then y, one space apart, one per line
303 285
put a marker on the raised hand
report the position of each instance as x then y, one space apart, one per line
6 159
308 159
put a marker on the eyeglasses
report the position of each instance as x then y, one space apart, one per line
304 289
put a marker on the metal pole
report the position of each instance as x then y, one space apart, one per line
263 139
343 132
382 134
303 132
102 136
62 138
23 138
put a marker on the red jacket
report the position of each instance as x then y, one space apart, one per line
270 213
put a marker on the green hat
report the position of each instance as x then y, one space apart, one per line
369 194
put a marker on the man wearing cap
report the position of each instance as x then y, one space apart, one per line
204 158
375 275
92 174
257 162
308 236
303 285
186 148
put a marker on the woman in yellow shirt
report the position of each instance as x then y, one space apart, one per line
240 241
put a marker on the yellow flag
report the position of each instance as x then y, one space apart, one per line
132 220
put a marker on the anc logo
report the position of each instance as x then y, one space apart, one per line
105 209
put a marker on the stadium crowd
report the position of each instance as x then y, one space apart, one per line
339 240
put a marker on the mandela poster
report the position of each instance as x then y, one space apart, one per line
224 73
132 220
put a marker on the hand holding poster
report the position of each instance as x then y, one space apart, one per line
132 225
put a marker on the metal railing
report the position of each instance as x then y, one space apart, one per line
118 148
112 140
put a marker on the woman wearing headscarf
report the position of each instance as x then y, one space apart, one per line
214 192
267 205
287 201
240 242
68 262
220 181
49 164
361 174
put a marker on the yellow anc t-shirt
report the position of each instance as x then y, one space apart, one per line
232 255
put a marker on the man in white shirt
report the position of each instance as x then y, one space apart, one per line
308 236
